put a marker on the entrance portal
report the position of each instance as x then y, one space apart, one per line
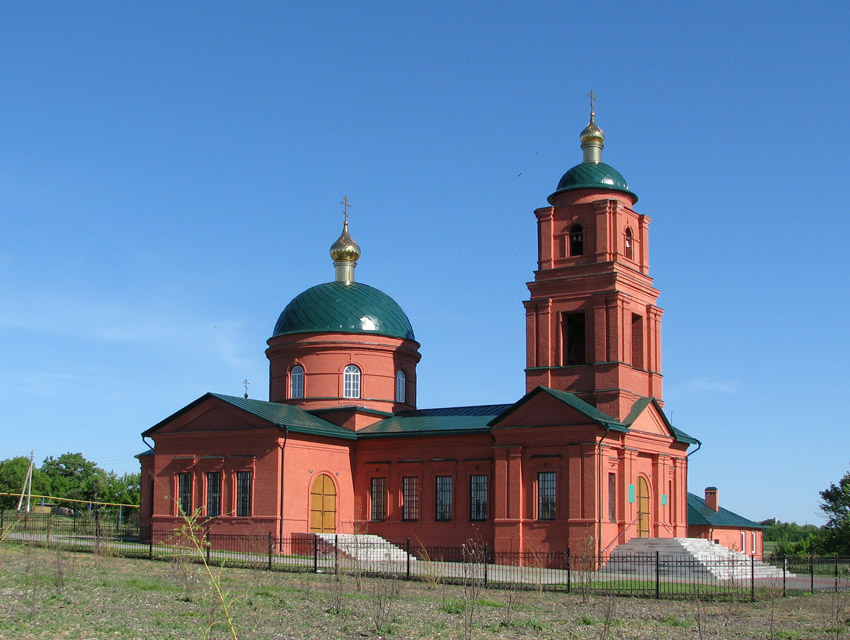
643 508
323 505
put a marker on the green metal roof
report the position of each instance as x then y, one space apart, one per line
642 403
594 414
344 308
282 415
700 514
593 175
452 420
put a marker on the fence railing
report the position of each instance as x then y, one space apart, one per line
650 575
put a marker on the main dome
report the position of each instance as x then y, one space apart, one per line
337 307
592 175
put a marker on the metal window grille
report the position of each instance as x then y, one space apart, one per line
379 499
410 498
612 495
478 497
213 494
351 382
444 498
184 490
546 495
400 386
243 493
296 382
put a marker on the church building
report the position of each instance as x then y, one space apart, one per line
586 458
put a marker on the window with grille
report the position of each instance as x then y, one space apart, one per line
351 382
400 386
546 495
444 498
213 494
296 382
629 244
243 493
410 498
379 499
184 492
612 495
477 497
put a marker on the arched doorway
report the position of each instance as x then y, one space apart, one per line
323 505
643 508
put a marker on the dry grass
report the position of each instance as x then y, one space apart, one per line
123 598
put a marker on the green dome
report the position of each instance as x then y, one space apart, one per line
592 175
344 308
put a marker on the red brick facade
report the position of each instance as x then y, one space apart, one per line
585 459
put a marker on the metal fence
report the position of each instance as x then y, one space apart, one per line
649 575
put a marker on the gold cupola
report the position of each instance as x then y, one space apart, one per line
592 137
345 253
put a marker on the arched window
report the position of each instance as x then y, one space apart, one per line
576 240
629 244
296 382
351 382
400 386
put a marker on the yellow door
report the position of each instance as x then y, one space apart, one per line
643 508
323 505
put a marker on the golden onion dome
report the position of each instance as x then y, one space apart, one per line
345 249
592 133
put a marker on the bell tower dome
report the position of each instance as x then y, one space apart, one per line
593 326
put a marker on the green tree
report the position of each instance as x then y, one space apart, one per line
12 474
72 476
835 503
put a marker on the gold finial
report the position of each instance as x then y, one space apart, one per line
345 252
592 138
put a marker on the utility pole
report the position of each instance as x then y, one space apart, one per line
27 488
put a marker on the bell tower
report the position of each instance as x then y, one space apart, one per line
593 327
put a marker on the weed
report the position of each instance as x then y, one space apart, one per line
385 591
587 621
676 621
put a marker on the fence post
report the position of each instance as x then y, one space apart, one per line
270 550
336 554
2 517
753 578
315 553
485 564
812 573
408 558
569 570
657 576
784 571
836 573
208 544
150 545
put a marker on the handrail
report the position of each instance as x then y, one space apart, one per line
668 527
621 534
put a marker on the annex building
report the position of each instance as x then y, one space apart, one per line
585 458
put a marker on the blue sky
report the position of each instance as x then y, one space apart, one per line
170 173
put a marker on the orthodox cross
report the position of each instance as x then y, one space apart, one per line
345 205
246 383
592 100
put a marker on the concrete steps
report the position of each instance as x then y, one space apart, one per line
364 547
695 557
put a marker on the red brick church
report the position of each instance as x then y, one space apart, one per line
587 454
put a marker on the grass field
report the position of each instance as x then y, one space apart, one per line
50 594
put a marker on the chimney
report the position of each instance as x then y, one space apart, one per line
711 498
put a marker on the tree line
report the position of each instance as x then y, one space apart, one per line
69 476
793 539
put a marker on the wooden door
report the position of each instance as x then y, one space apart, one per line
643 508
323 505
